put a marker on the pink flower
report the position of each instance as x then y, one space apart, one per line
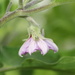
32 45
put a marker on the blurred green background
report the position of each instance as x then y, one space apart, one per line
59 25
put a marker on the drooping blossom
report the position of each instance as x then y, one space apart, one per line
37 42
43 45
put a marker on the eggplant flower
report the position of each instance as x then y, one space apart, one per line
43 45
37 43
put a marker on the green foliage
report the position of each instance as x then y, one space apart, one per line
50 61
1 65
60 26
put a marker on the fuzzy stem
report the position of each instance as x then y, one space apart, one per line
18 13
51 5
20 4
31 20
33 2
9 6
7 17
31 68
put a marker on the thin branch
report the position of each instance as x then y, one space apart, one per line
18 13
33 2
9 6
31 20
51 5
32 68
25 68
8 69
18 68
7 17
20 4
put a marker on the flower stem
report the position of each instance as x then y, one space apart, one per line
20 4
33 2
18 13
7 17
44 7
31 20
9 6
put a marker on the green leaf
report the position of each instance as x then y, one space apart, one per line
10 57
65 64
52 61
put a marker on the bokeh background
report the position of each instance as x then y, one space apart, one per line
59 25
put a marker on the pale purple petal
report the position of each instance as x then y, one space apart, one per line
51 45
42 46
24 47
32 47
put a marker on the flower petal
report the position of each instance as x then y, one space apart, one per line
24 47
42 46
51 45
32 47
